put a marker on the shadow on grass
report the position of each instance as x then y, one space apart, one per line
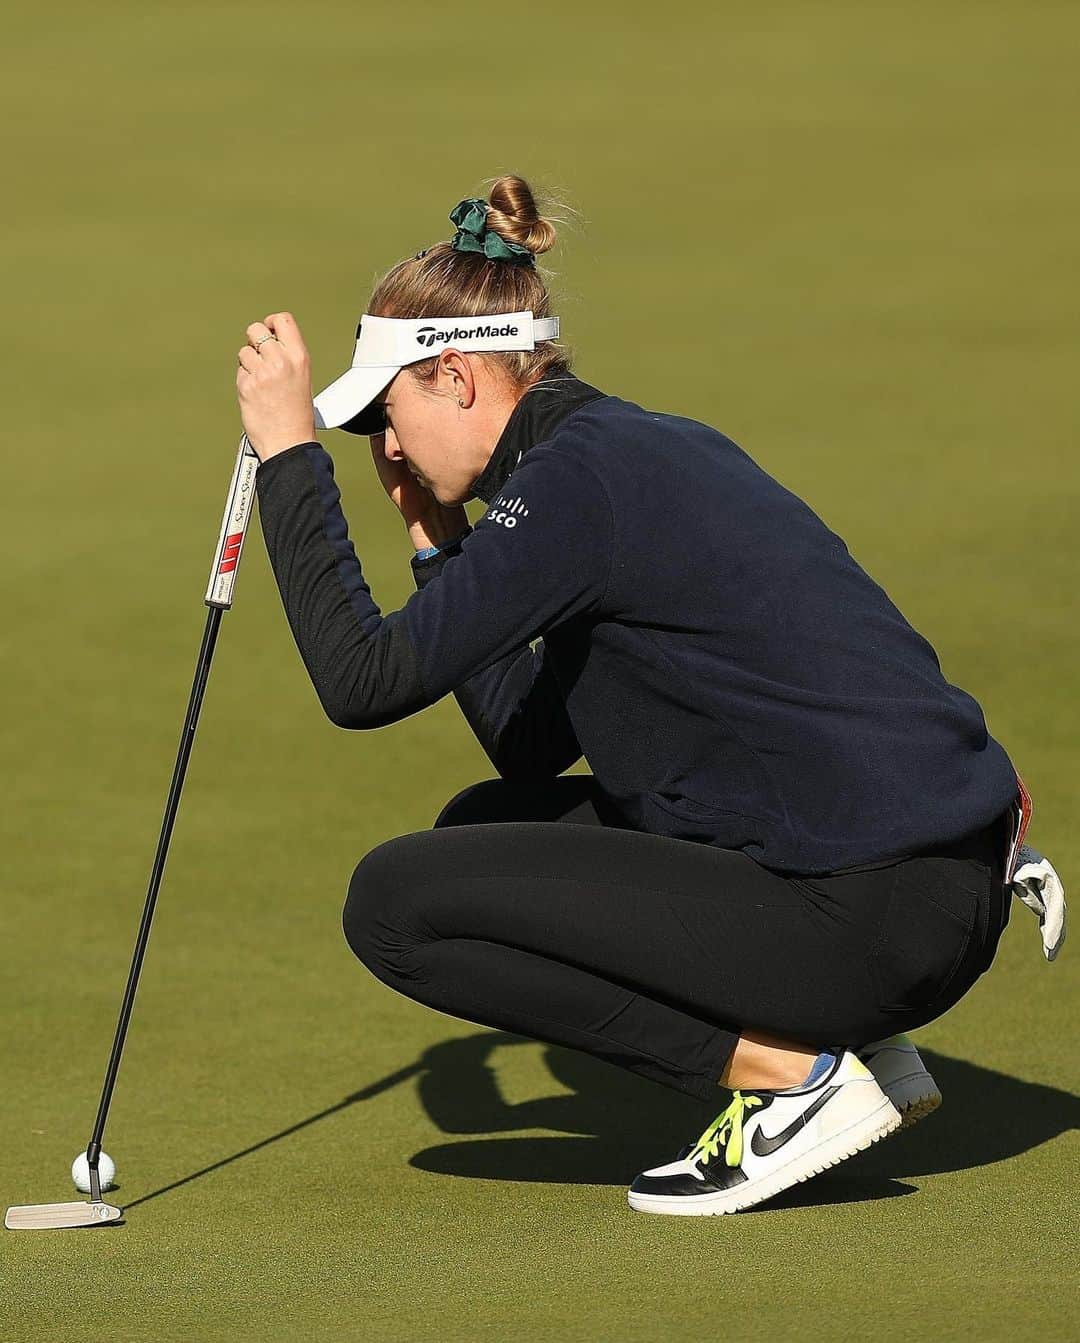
366 1093
629 1123
618 1124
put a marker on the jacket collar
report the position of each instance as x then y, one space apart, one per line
535 418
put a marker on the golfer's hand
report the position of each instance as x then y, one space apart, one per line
429 523
273 386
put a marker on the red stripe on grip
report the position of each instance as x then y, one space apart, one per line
230 554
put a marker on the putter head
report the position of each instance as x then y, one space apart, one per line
40 1216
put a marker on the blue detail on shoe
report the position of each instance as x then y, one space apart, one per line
823 1064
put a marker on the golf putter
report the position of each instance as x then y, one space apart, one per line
219 596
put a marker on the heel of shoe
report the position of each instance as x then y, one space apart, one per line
915 1097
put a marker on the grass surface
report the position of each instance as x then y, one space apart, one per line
845 235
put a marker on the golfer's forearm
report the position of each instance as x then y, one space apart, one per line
498 591
363 667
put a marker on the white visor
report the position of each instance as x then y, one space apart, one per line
384 345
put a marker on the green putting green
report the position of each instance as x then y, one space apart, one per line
843 234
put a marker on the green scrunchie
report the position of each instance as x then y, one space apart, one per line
473 235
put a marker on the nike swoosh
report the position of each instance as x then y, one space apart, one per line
761 1145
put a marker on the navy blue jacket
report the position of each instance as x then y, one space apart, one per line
730 673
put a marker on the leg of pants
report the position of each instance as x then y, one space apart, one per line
547 919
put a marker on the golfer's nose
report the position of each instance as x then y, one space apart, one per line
390 446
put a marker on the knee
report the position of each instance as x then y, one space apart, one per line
376 917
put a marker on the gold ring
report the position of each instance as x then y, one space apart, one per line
262 341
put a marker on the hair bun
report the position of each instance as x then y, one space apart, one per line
455 277
512 213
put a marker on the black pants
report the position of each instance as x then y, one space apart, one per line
530 909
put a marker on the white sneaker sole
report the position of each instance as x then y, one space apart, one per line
881 1121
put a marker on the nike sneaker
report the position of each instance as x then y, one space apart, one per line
766 1141
902 1075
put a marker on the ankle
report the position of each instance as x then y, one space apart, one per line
767 1063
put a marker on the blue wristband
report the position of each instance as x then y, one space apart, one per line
429 551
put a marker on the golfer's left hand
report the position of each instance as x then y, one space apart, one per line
273 385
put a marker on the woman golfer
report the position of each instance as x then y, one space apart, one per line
795 838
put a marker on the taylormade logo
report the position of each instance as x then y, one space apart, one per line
428 335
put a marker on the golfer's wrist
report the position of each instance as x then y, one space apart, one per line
429 552
273 445
436 530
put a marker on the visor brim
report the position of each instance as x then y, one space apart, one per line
346 402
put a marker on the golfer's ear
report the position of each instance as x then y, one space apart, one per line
459 375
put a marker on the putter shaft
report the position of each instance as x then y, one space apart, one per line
183 755
219 594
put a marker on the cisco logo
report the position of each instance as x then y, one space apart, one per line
428 335
508 511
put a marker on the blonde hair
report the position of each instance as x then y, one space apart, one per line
441 282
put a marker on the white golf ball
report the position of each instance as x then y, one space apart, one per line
80 1172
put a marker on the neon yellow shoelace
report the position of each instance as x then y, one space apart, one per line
726 1131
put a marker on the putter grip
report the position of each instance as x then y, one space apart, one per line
234 525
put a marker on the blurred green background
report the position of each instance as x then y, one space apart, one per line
843 234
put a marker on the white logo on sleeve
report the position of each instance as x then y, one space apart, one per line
507 511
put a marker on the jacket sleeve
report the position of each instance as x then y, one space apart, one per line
539 556
515 707
517 712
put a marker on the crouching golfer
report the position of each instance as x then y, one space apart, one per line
795 840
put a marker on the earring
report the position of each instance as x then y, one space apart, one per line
461 404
